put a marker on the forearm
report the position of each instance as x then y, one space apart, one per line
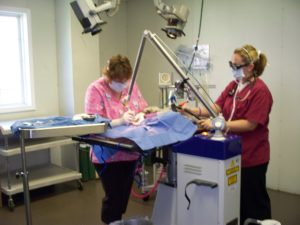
117 122
240 126
203 112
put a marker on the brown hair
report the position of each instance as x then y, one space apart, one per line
250 55
118 68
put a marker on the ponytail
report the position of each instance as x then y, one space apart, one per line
260 64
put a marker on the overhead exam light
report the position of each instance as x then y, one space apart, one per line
176 17
88 13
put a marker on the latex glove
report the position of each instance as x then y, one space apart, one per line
138 119
151 109
78 116
84 116
205 124
128 117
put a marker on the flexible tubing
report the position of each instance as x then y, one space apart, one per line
153 189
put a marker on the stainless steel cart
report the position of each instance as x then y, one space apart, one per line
59 131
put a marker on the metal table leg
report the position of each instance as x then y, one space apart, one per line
24 175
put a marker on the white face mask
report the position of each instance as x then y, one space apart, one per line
117 86
238 74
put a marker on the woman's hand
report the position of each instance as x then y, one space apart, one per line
152 109
128 117
205 124
138 119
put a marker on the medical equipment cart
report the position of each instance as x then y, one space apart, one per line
207 186
40 175
208 180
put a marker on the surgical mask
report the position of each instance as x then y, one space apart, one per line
238 74
117 86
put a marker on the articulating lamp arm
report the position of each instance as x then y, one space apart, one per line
107 6
155 41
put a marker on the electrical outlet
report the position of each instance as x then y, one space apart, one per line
164 79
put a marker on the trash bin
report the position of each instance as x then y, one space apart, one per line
86 168
135 221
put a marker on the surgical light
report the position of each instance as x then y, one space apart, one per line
176 17
88 13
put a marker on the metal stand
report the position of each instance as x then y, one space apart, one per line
157 42
24 175
49 132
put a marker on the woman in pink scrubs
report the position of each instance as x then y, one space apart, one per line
105 97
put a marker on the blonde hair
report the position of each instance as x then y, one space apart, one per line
250 55
118 68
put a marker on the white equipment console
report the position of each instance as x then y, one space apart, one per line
208 184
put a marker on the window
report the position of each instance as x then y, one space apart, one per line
16 74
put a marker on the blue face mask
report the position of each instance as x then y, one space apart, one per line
117 86
238 74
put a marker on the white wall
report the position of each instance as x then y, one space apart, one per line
142 16
85 59
114 35
78 59
271 26
44 57
289 92
81 57
64 57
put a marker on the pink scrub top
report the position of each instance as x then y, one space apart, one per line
100 99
